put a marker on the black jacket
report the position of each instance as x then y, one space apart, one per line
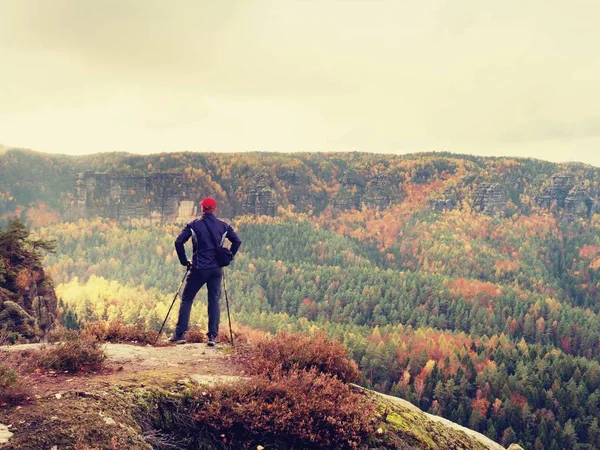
203 247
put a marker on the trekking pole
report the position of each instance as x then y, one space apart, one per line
169 312
227 303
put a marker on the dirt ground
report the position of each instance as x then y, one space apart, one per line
142 365
62 408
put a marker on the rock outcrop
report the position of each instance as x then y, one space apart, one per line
556 191
30 311
350 194
381 191
39 300
448 201
295 185
132 199
490 198
563 194
578 202
166 197
14 321
258 199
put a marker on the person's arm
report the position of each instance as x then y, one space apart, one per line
183 237
234 239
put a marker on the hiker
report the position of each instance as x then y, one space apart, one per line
203 268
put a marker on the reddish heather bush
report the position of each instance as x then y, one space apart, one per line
246 334
118 332
287 350
95 330
75 355
225 338
55 334
60 334
290 409
195 335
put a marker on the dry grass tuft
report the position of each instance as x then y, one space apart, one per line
80 354
118 332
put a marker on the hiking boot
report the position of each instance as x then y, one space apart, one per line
211 342
177 340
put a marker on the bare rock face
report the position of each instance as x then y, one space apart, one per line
259 202
351 192
449 200
161 197
578 203
131 199
563 194
295 184
14 319
381 191
556 192
40 300
490 198
258 199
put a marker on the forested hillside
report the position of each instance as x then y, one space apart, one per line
466 285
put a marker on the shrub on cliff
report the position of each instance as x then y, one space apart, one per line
289 409
291 350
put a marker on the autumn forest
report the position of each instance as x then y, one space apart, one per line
466 285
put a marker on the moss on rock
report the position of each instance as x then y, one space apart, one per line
129 416
15 319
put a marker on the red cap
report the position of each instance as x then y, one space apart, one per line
208 204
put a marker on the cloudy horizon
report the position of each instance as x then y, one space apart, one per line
469 77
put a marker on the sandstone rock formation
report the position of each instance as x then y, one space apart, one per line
563 194
259 201
131 199
490 198
556 191
578 202
166 197
32 310
15 320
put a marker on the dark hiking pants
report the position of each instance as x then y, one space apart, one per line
195 280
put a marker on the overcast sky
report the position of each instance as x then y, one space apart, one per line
489 77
